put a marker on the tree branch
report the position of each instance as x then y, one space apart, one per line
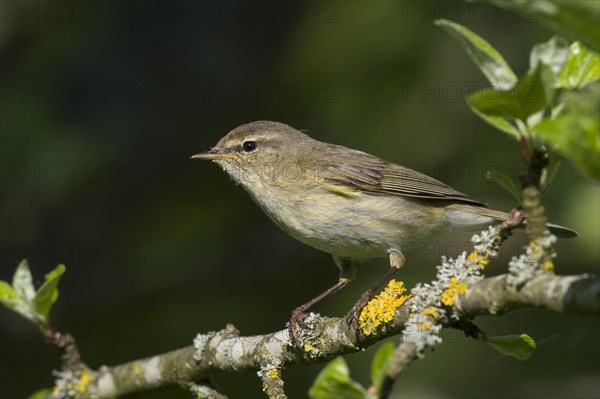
562 294
226 351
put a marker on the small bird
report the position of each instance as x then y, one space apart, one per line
345 202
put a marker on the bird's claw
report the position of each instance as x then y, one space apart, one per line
296 322
354 313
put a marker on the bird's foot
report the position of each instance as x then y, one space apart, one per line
354 313
296 322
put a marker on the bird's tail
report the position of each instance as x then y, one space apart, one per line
559 231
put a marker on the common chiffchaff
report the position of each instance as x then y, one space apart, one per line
348 203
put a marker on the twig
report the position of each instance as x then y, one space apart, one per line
404 353
531 195
201 391
71 359
272 383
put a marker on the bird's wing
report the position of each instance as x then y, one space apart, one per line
405 181
365 172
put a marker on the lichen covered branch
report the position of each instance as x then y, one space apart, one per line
226 351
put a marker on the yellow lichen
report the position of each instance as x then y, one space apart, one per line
424 325
84 380
308 347
431 311
138 369
481 261
548 265
380 310
273 373
534 249
455 288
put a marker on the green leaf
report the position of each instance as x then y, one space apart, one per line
381 360
40 393
553 53
519 346
22 298
7 292
334 382
19 297
575 132
498 122
48 292
522 101
23 282
505 181
482 53
11 299
581 68
549 172
576 19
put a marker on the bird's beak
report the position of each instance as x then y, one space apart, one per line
212 155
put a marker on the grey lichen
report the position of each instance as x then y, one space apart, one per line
537 258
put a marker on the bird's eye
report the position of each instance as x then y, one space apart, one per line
249 146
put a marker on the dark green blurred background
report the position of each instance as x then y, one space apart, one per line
102 104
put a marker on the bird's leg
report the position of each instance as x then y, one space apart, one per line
396 262
347 275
